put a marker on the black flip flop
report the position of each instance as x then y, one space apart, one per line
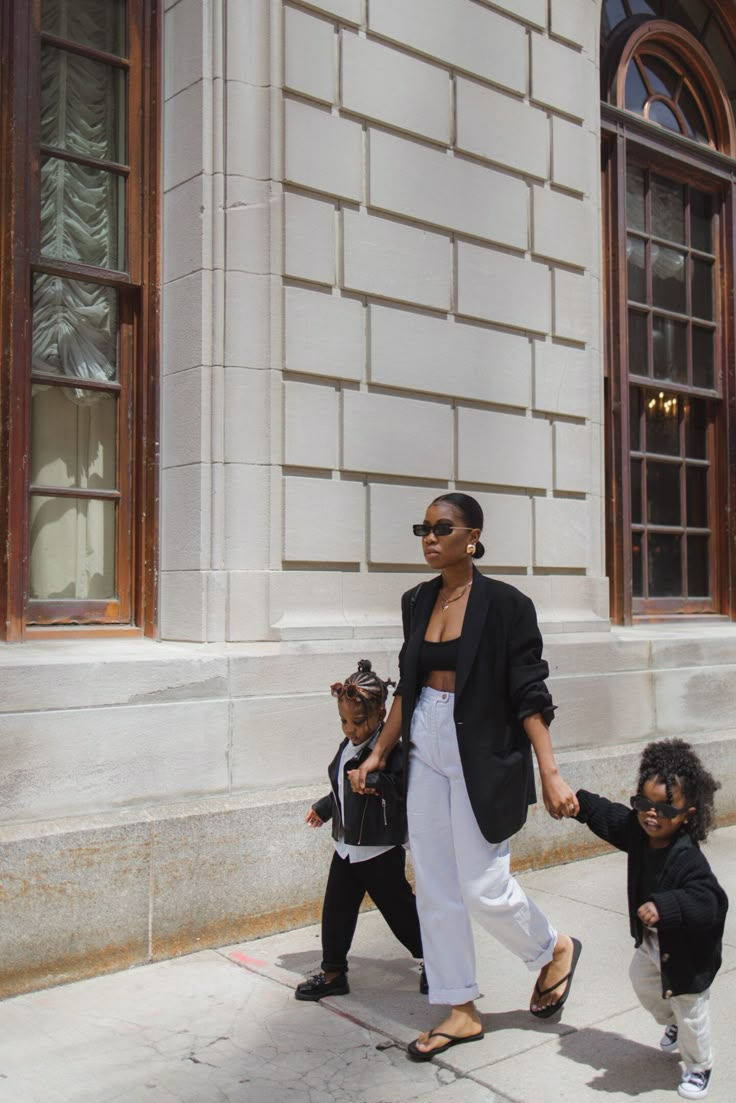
553 1008
452 1040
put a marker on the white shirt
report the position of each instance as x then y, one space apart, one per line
350 851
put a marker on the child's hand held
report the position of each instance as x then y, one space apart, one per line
648 914
356 779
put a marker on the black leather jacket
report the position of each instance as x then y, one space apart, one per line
369 820
691 903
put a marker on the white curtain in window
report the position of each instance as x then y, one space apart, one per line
72 540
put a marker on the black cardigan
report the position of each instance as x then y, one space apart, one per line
499 680
691 903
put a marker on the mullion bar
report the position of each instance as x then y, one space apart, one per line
62 154
683 481
90 52
66 381
648 273
76 270
43 491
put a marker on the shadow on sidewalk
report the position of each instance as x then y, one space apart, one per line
623 1066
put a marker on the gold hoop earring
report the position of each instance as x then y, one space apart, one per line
470 549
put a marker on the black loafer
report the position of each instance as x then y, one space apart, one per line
317 987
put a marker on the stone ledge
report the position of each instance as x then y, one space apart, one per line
88 895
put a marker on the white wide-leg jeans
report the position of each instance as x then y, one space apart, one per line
690 1013
458 872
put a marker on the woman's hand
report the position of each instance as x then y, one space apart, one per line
559 799
374 761
313 819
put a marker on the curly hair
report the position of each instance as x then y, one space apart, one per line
674 762
372 690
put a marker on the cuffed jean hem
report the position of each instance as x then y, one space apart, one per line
454 996
699 1066
543 958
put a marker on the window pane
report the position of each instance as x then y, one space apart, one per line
637 565
665 564
663 494
96 23
82 105
701 215
635 397
695 124
635 198
638 354
636 94
697 497
660 113
696 424
661 76
75 328
668 209
636 270
703 360
702 290
72 548
662 424
636 466
73 438
668 279
697 566
82 214
669 344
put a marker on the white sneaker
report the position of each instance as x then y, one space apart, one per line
694 1085
668 1041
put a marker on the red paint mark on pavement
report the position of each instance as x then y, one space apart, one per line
245 960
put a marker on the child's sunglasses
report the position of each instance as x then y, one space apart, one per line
662 811
440 528
349 690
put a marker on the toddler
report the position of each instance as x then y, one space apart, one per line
677 908
368 831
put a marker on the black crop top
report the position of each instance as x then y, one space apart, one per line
438 656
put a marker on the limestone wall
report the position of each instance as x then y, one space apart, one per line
382 264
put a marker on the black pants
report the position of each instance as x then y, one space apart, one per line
385 881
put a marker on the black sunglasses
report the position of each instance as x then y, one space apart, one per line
662 811
440 528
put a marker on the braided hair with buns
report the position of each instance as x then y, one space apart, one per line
370 689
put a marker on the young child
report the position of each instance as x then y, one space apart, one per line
368 831
677 908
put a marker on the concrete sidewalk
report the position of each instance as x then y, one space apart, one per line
222 1025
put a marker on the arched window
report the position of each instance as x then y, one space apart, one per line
669 80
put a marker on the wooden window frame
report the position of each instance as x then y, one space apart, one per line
138 288
625 137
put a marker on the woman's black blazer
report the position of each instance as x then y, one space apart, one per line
500 679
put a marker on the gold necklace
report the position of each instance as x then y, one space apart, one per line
457 597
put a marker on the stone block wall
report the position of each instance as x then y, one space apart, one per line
390 211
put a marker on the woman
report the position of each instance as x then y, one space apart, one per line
471 703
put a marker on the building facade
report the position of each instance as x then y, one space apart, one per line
275 274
